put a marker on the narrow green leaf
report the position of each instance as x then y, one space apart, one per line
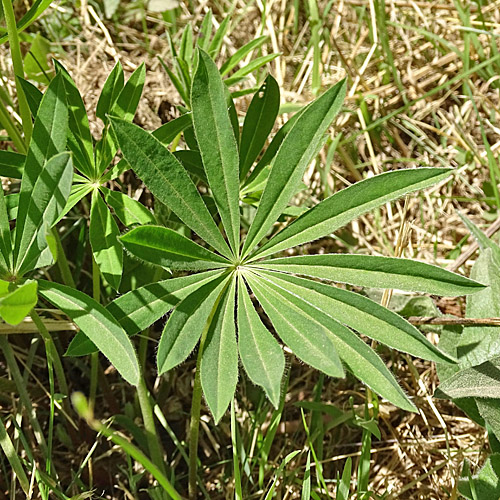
49 194
186 45
11 164
110 92
260 353
377 272
481 381
361 314
128 210
80 141
186 324
78 192
219 361
252 66
130 95
98 324
167 179
217 144
170 130
192 162
358 357
259 122
168 248
293 157
177 83
352 202
103 234
17 301
205 34
33 95
139 309
48 139
308 339
240 54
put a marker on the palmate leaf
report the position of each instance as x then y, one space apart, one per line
348 204
169 182
217 144
376 272
165 247
97 324
139 309
219 360
293 157
260 353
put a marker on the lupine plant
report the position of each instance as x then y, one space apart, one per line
240 284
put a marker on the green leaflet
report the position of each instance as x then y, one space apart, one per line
110 92
33 95
344 206
11 164
260 353
481 381
486 483
48 139
249 68
48 193
129 211
304 334
124 107
361 314
291 160
139 309
167 179
187 322
259 122
219 361
217 144
16 302
80 140
98 324
170 130
376 272
192 162
103 234
165 247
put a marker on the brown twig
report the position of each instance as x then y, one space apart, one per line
416 320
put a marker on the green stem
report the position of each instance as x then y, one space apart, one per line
194 426
94 357
7 123
52 352
17 62
238 493
23 393
62 261
154 443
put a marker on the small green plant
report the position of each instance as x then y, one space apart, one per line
473 382
214 307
